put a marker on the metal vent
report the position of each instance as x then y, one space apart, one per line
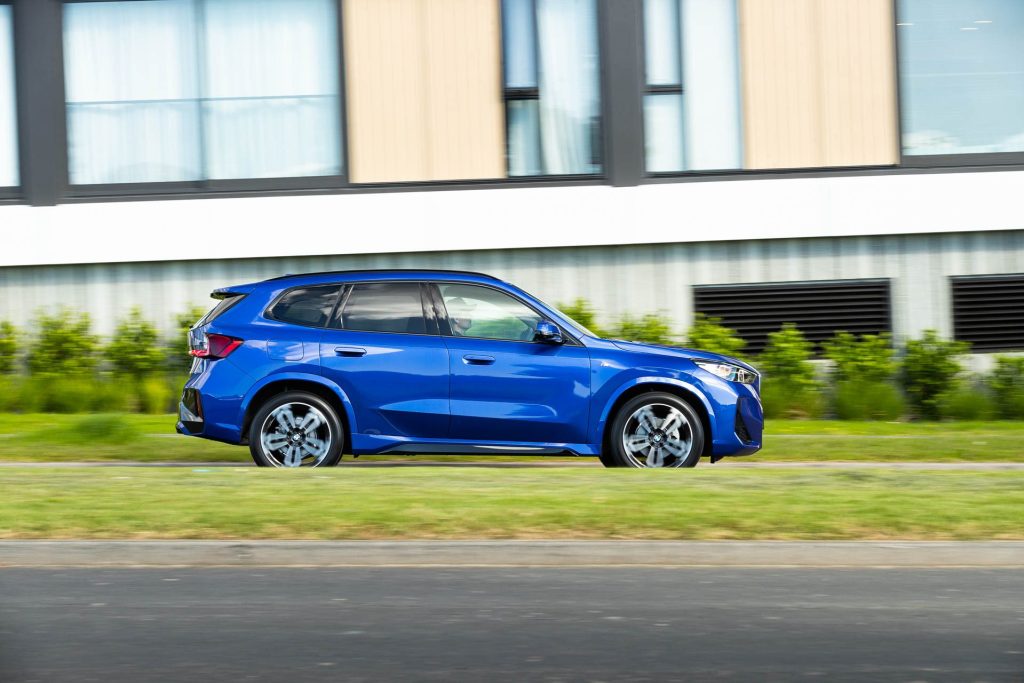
819 309
988 311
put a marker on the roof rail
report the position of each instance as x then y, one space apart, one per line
382 270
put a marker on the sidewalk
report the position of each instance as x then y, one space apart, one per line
100 554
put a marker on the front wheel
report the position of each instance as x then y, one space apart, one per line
296 429
655 430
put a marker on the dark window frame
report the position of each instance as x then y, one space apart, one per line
13 192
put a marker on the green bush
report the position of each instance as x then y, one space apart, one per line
72 394
790 388
1007 383
157 395
867 400
583 313
709 334
966 400
651 328
8 348
63 346
135 351
930 368
869 358
177 359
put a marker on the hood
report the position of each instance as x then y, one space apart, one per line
679 352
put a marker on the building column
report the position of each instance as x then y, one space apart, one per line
622 79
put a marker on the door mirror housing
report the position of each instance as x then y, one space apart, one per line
548 333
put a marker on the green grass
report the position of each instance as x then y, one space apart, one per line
563 503
131 437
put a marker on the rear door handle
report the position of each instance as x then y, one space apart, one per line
478 360
349 351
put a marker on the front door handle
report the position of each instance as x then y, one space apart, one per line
349 351
478 360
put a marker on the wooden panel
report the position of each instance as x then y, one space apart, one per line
465 109
818 83
423 90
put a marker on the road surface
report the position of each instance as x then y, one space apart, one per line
503 624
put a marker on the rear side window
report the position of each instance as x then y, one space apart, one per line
384 307
307 306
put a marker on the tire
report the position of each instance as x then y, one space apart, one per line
307 428
638 436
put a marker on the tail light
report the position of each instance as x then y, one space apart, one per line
215 346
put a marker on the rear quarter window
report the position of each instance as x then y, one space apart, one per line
306 306
219 309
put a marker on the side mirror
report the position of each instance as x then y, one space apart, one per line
548 333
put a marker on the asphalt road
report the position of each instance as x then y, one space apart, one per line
554 624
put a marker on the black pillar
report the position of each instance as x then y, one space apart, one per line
39 74
622 80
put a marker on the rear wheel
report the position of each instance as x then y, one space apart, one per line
655 430
296 429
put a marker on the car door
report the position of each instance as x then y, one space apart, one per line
383 349
504 385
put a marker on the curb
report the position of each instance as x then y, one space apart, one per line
865 554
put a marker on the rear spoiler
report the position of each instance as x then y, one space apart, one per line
231 292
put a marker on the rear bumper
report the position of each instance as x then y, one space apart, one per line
211 401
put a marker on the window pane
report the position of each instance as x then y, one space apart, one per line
486 313
520 44
569 95
961 76
524 138
385 307
661 41
663 132
310 306
8 115
271 105
712 85
131 91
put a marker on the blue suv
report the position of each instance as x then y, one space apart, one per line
303 368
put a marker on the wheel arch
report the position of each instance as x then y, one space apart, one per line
318 386
681 390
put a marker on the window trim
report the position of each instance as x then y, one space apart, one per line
13 192
446 329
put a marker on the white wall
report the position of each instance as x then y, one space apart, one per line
509 218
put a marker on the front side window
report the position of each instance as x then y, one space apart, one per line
552 91
384 307
8 115
691 99
961 72
486 313
308 306
187 90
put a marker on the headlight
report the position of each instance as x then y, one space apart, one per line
728 371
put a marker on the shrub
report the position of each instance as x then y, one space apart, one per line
869 358
64 345
582 312
71 394
930 368
1007 383
135 349
651 328
177 359
966 400
157 395
8 348
866 400
709 334
790 388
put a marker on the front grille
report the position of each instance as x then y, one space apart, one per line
818 309
988 311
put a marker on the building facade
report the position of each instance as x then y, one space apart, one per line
843 164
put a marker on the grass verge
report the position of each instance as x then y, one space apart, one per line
40 438
562 503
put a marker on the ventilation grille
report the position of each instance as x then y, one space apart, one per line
819 309
988 312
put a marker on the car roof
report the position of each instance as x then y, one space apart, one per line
381 274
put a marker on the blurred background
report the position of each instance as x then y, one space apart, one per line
750 176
